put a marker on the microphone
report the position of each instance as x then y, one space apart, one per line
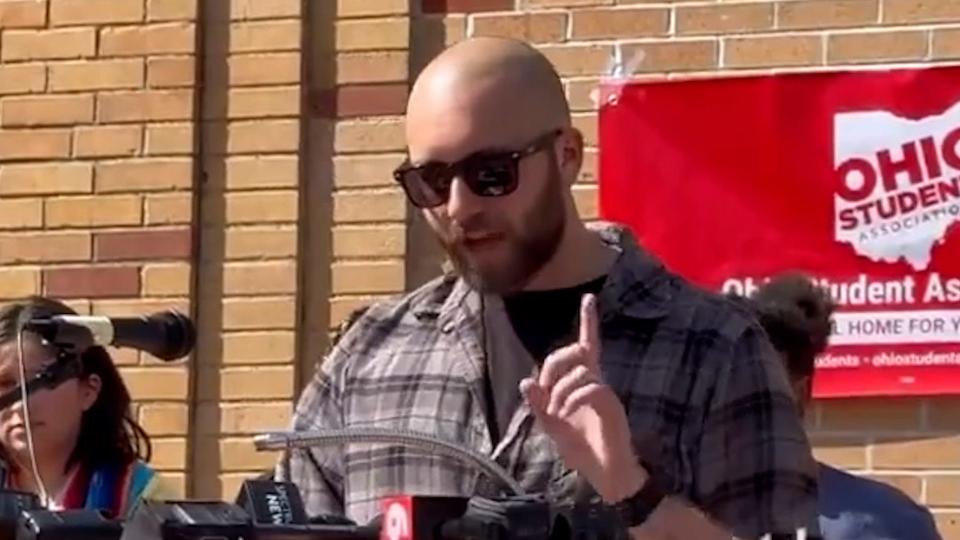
277 512
517 517
419 517
167 335
272 503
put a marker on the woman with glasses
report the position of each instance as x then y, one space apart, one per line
77 445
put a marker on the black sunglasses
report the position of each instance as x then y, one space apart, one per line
486 174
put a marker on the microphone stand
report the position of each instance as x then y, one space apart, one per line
283 440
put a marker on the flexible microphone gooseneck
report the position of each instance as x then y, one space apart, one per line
285 440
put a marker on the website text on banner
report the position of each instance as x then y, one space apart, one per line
852 177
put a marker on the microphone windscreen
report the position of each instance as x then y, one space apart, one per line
179 336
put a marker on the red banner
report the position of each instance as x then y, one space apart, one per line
852 177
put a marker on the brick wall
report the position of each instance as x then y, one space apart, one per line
249 204
259 197
96 99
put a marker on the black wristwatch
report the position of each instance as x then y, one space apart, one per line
636 509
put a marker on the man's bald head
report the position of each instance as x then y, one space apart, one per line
495 110
486 83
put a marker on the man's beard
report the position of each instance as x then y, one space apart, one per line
528 249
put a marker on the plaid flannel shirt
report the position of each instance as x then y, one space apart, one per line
708 402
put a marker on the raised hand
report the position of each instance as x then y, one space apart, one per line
583 415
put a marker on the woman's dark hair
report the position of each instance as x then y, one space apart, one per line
108 432
795 313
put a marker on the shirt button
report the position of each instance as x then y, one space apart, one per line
448 327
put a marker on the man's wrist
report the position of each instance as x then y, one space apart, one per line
624 482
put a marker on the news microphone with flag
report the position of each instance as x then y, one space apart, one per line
167 335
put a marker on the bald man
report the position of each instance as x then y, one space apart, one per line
567 353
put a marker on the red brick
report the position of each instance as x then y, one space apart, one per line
143 244
360 100
466 6
92 282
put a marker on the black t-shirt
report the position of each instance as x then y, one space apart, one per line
547 320
544 321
